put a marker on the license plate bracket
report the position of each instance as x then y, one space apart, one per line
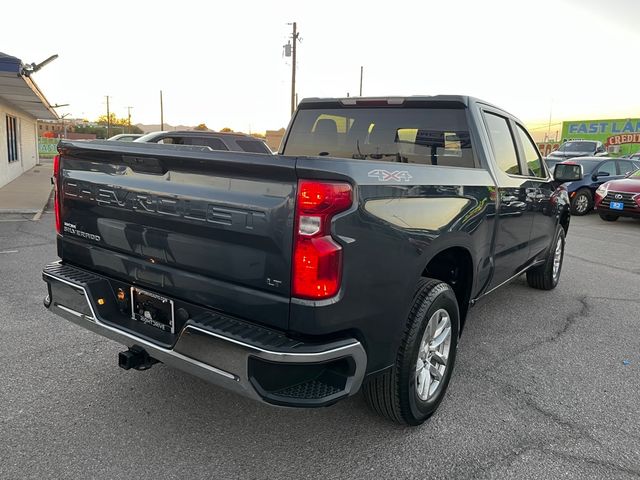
152 309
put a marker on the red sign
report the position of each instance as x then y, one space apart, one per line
623 139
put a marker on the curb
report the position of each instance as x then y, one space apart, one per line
18 211
39 213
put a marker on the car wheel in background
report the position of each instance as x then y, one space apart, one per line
547 275
609 218
582 203
410 391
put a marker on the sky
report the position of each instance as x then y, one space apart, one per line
222 63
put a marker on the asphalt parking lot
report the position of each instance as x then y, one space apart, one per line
547 385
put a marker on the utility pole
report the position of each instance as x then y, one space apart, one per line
294 37
361 71
129 119
108 119
161 112
550 113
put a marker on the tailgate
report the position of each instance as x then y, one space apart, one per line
211 228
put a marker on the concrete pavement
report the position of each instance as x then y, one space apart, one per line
29 193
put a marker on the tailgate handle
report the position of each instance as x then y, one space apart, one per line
144 164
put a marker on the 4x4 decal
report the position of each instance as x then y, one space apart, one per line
386 176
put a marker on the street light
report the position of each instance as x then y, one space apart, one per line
30 68
64 125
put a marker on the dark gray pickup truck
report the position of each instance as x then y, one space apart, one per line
347 262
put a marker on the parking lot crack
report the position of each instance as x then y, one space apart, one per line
592 461
602 264
569 320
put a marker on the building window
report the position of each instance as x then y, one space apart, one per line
12 138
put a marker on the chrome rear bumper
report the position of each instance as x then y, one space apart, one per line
236 355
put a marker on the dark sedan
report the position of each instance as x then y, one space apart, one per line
225 141
619 198
596 171
578 148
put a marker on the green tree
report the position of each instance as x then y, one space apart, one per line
226 130
202 127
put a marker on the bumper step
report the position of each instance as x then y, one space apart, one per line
249 359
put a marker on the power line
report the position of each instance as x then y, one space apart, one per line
546 126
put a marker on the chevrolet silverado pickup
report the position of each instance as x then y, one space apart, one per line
348 262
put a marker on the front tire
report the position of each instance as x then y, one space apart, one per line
411 391
582 203
609 218
547 275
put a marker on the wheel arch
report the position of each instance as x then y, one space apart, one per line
454 265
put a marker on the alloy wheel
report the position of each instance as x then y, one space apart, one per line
433 354
557 260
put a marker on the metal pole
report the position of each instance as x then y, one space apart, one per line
108 119
161 112
550 112
361 71
129 119
293 69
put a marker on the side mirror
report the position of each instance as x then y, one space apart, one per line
567 172
602 174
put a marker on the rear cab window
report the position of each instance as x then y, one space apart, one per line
422 135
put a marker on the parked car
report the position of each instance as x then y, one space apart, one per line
619 198
596 171
348 262
233 142
578 148
125 137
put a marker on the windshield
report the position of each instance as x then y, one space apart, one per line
432 136
578 147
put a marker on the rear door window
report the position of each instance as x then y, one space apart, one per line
214 143
252 146
504 149
625 166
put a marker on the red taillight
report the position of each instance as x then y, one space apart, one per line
56 199
317 258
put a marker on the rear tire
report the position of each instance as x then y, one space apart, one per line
609 218
547 275
411 391
582 203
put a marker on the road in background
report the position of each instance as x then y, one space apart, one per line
546 385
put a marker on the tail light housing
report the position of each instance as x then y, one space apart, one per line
56 195
317 257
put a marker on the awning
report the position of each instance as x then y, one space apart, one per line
21 92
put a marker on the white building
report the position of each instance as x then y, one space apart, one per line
21 105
